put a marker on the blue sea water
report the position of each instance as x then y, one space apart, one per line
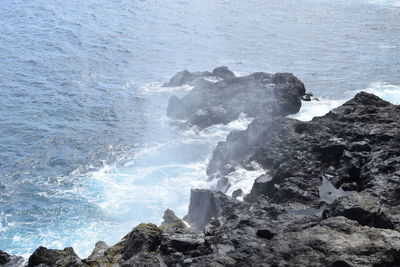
86 151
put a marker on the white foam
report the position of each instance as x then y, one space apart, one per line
314 108
243 179
157 88
213 79
394 3
386 91
240 73
385 47
220 131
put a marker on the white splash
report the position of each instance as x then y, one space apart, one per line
314 108
386 91
243 179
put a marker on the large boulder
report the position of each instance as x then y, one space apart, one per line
222 101
141 243
54 258
145 237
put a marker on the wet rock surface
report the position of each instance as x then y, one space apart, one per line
330 196
223 99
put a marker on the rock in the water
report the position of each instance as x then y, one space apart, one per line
237 193
185 77
257 95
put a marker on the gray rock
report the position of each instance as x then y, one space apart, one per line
7 260
99 249
237 193
185 77
145 237
204 205
171 220
257 95
55 258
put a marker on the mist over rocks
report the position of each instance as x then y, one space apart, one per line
329 196
223 99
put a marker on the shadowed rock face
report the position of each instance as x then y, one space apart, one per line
205 205
7 260
330 197
257 95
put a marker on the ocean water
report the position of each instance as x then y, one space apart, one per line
86 151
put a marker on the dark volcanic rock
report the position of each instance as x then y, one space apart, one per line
185 77
7 260
54 258
257 95
237 193
354 147
99 249
140 245
205 204
171 221
337 242
4 257
145 237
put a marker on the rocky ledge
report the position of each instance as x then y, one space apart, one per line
329 196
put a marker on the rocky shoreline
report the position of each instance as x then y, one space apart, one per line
329 195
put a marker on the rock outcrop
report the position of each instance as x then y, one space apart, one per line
329 197
227 96
7 260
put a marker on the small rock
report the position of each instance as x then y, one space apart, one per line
361 146
265 233
237 193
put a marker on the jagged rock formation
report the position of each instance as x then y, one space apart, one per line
212 102
329 197
7 260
